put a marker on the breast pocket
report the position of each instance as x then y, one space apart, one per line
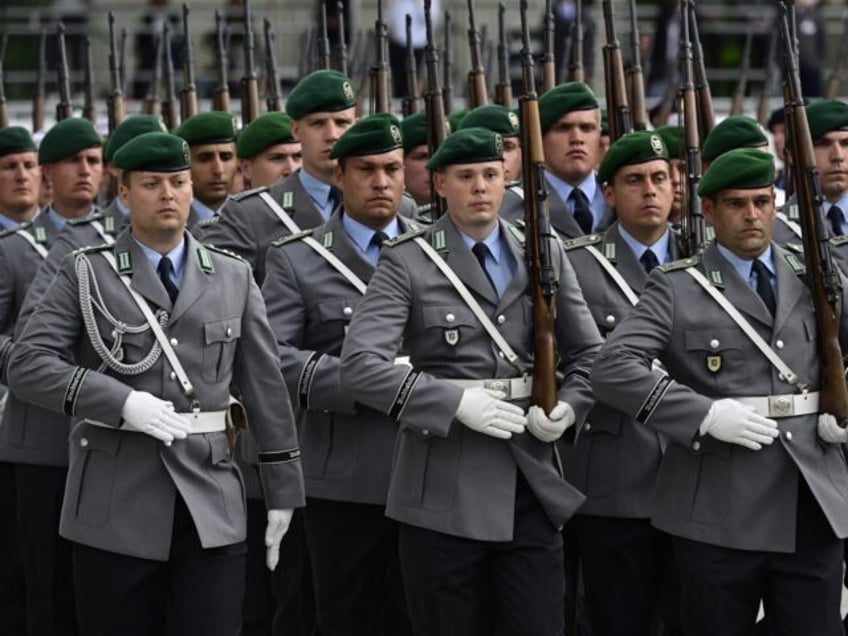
717 355
220 338
335 314
447 327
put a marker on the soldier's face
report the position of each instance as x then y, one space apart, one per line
75 180
416 174
743 219
20 178
318 133
273 165
831 152
512 158
213 169
372 187
572 145
159 203
641 195
474 193
675 171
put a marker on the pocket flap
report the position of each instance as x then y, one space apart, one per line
222 330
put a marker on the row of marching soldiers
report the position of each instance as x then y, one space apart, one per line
323 378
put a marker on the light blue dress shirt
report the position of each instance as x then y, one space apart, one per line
318 191
660 248
499 262
177 256
361 236
7 224
590 188
203 212
744 266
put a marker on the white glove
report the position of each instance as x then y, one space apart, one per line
485 411
830 431
278 525
737 423
549 428
146 413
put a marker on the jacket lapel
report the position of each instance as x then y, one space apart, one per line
464 263
144 280
625 260
737 290
302 209
195 280
344 248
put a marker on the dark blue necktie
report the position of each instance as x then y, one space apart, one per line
581 210
649 260
834 215
764 289
166 270
481 251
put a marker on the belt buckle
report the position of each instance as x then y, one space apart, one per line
504 386
781 406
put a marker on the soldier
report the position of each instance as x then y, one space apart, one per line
505 122
19 177
615 461
736 131
267 150
479 500
754 499
212 139
347 448
672 137
154 504
416 154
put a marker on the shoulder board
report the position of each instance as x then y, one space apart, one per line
404 237
86 219
683 263
212 220
249 193
836 241
517 233
797 248
220 250
514 183
93 249
291 238
795 263
582 241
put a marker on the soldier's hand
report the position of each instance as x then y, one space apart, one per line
278 525
550 427
146 413
486 412
736 423
830 431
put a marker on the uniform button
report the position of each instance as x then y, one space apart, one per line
781 377
229 332
347 311
789 436
610 319
173 375
450 317
84 442
588 426
501 354
425 432
501 319
714 343
114 334
174 342
696 446
779 344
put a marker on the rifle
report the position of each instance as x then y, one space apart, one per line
342 50
188 94
304 65
122 62
63 107
548 63
477 94
503 89
617 109
834 80
693 218
274 97
380 95
170 114
38 96
151 105
249 83
822 275
221 95
537 229
434 108
706 116
89 112
634 74
737 104
410 102
447 68
4 110
575 65
765 91
324 41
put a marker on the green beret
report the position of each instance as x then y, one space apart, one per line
736 131
672 137
131 127
455 119
636 147
263 132
372 135
320 91
494 117
15 139
154 152
469 145
605 131
67 138
738 168
563 99
827 115
213 127
414 129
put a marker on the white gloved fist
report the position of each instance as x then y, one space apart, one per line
736 423
278 525
146 413
485 411
830 431
549 428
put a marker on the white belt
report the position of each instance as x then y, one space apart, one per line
786 405
201 422
515 388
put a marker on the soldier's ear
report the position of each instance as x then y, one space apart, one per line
609 194
439 182
707 207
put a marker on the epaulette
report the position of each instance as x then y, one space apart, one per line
513 183
517 233
248 193
291 238
795 263
404 237
93 249
836 241
683 263
86 219
221 250
797 248
212 220
582 241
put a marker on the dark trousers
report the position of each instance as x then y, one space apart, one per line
629 575
197 591
291 584
467 587
12 586
258 611
358 588
801 592
46 556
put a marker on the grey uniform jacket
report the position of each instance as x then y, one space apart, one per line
615 460
447 477
708 490
121 484
347 447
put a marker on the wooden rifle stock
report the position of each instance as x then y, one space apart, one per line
38 96
221 96
188 94
693 218
618 110
434 108
410 102
503 89
170 104
342 50
575 65
635 76
115 100
737 104
706 115
274 96
380 95
250 82
63 107
477 92
548 61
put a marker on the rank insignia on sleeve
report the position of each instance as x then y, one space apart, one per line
714 363
452 337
